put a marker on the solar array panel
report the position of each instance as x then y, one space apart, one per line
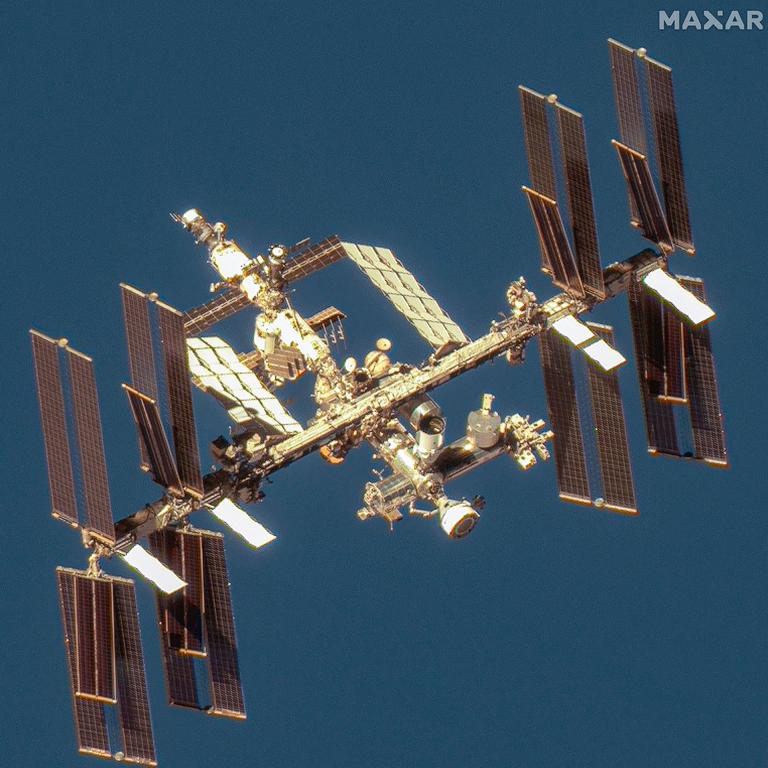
674 390
133 702
182 624
50 393
101 635
580 204
407 295
286 363
180 398
218 370
647 329
559 384
223 667
90 722
200 319
313 258
626 89
324 318
95 640
138 336
70 415
537 142
555 249
575 269
141 348
645 200
670 159
180 616
306 260
676 359
642 89
252 360
90 443
153 441
611 433
609 483
197 621
704 402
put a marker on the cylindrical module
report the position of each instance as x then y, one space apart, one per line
430 437
458 518
484 428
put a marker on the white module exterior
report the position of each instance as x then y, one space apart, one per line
229 261
458 519
242 523
151 568
680 298
605 355
573 330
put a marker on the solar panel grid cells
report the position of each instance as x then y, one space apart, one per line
611 433
50 395
224 671
138 335
324 318
133 703
314 258
629 109
669 154
538 144
193 600
555 248
95 640
153 441
626 89
647 330
409 297
644 200
90 723
180 398
216 366
704 401
580 203
563 412
179 670
200 318
674 390
90 445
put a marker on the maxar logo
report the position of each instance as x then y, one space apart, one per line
710 20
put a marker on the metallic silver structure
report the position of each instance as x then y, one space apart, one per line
386 404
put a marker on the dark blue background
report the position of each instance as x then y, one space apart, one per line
554 635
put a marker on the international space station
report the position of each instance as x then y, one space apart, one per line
379 402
